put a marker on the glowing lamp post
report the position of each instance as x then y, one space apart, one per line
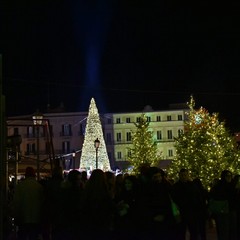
37 121
73 158
96 145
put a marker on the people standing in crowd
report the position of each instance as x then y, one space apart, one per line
187 196
53 204
119 185
203 208
127 214
98 207
223 194
84 178
27 205
157 220
110 178
71 207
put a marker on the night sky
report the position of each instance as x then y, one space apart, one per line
125 54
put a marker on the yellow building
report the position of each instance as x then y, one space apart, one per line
165 125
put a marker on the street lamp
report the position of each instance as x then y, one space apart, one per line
37 121
73 155
96 145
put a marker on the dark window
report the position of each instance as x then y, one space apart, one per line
170 152
119 155
119 137
169 133
109 137
180 118
129 136
15 131
159 135
65 147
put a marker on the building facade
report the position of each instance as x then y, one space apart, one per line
66 135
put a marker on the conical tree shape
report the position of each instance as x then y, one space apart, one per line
206 148
92 158
144 151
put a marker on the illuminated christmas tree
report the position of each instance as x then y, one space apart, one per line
144 151
206 147
91 157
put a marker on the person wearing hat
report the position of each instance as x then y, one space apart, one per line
28 202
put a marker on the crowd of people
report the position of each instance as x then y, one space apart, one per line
124 206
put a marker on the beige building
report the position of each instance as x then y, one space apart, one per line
59 137
165 125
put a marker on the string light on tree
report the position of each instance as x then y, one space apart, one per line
205 148
93 132
144 151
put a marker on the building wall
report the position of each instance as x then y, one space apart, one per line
68 134
160 121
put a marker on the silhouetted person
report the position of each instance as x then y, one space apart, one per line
110 178
157 220
28 206
98 207
71 207
53 204
224 191
127 201
203 208
187 196
119 185
84 178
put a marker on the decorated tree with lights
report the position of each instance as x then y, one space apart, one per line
205 148
90 155
144 151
